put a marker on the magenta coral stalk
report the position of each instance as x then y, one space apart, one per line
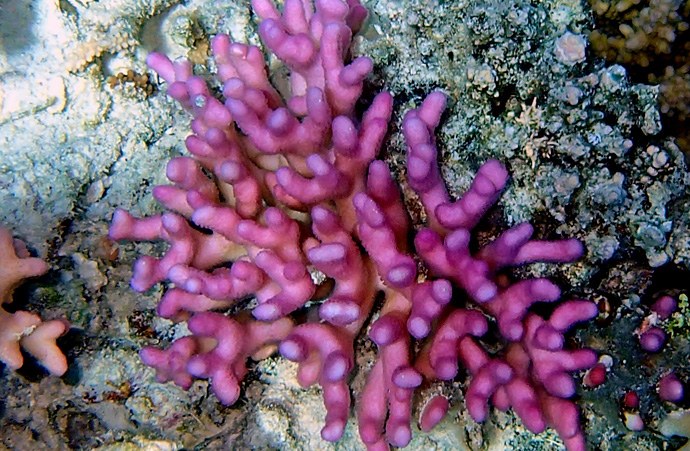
296 188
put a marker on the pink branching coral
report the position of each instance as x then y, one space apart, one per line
25 330
295 188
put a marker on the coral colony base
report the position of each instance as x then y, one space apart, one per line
280 185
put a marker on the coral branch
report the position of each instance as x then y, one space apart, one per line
24 330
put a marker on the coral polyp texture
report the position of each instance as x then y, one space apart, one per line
283 189
21 329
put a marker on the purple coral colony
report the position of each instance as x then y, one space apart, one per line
282 185
296 185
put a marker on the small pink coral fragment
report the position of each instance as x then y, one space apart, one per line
653 339
665 306
595 376
670 388
24 329
433 412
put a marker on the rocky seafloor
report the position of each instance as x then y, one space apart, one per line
82 132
